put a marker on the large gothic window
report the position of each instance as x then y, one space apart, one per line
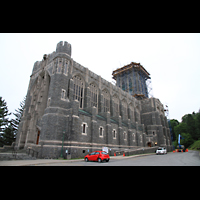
66 67
78 89
137 115
59 66
132 115
116 105
94 95
124 105
106 101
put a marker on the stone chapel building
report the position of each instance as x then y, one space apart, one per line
68 107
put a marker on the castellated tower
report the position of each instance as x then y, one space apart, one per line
68 107
64 48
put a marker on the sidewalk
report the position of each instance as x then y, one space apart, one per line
49 161
34 162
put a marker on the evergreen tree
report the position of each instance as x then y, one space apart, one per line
18 115
3 119
9 136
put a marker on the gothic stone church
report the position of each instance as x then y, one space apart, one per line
68 107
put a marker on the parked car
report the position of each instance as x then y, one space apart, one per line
161 150
97 156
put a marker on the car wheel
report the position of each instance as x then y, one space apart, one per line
99 160
86 160
107 160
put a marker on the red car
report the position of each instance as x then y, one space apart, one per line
97 156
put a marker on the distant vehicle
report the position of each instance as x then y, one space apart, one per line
180 148
97 156
161 150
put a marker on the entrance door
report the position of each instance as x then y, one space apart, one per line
38 136
149 144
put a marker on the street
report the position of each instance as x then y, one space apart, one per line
190 158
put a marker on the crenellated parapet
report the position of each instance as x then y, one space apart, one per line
64 48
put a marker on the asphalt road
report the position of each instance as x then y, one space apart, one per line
190 158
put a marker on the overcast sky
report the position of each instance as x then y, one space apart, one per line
173 61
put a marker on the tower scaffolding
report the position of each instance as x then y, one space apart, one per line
133 78
166 110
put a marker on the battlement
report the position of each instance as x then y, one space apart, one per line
66 48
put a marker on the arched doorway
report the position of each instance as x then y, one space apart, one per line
38 136
149 144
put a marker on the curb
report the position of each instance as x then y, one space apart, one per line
78 160
35 162
138 155
54 161
49 161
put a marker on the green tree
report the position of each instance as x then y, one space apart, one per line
191 129
9 136
18 115
197 125
174 123
186 140
179 129
4 121
193 124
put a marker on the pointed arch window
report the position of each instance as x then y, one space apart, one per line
116 105
94 95
101 129
106 101
133 137
137 115
66 68
78 89
114 133
124 105
59 69
63 94
132 115
84 128
125 135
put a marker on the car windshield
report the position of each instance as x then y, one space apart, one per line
159 148
103 153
